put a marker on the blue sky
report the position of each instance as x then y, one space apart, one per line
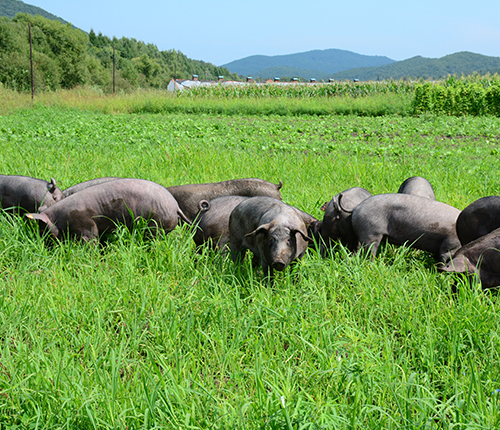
222 31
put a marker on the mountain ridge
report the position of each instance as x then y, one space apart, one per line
459 63
10 8
327 61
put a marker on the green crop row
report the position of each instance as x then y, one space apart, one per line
458 97
285 90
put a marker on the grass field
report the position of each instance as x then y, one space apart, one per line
148 334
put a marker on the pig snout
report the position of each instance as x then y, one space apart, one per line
278 265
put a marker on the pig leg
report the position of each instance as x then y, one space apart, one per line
447 249
370 242
268 272
237 253
88 231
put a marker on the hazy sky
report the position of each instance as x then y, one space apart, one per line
222 31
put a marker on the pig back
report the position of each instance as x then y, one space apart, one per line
87 184
188 196
478 219
417 186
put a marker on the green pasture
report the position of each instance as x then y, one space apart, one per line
149 334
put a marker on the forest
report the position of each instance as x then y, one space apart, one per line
65 57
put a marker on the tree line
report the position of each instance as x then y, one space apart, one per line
65 57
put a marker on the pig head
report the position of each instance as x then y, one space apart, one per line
336 224
274 231
28 194
481 257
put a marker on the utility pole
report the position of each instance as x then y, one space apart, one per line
113 68
31 62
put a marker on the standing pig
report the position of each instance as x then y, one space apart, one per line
96 210
481 256
212 221
402 218
478 219
417 186
274 231
27 194
336 224
90 183
189 196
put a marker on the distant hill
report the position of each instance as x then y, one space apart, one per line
284 72
10 8
317 63
460 63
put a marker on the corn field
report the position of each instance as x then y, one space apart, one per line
300 90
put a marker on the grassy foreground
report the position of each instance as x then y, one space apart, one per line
148 334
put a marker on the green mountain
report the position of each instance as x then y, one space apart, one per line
460 63
10 8
307 64
285 72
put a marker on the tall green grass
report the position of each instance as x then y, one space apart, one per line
144 333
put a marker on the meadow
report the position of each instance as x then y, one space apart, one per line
139 333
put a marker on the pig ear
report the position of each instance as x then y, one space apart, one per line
459 264
335 204
40 217
50 226
304 236
261 229
52 185
55 191
345 206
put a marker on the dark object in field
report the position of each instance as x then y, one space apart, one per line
417 186
96 210
274 231
480 257
212 221
400 219
27 194
478 219
336 224
90 183
189 196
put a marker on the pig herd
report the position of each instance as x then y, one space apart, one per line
249 214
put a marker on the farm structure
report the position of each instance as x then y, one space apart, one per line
184 84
